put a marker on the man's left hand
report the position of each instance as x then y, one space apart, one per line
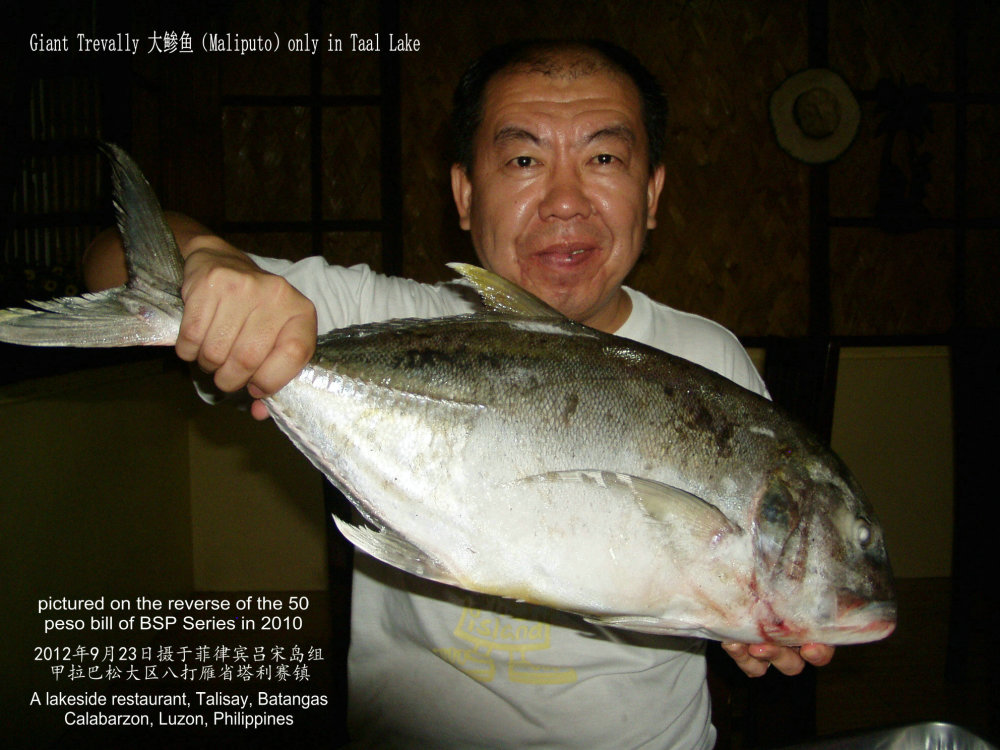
754 659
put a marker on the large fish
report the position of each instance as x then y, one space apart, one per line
517 453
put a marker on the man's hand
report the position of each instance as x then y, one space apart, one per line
245 326
754 659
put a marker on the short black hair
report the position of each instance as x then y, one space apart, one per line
540 56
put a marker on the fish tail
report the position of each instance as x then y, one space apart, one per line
146 310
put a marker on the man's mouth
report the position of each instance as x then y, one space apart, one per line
565 256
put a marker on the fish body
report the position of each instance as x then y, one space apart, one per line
517 453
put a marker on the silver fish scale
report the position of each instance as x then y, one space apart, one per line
434 426
559 380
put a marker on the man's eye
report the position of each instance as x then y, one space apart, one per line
523 161
605 158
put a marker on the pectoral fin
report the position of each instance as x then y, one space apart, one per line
655 625
663 503
393 550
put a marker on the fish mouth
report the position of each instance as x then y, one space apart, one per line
870 631
849 603
862 620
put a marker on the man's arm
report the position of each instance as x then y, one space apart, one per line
245 326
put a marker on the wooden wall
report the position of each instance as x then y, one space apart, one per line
294 154
733 241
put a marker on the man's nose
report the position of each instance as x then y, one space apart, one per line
565 195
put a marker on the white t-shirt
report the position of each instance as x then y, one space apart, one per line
431 666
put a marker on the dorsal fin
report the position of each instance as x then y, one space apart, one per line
505 296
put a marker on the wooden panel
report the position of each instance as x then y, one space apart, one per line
94 501
348 72
982 22
893 39
889 284
854 178
351 184
278 73
893 427
257 518
982 278
983 165
350 248
266 151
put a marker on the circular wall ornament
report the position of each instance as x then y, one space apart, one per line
814 115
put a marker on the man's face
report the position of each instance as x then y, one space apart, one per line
559 195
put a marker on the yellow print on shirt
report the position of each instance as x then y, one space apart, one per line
494 637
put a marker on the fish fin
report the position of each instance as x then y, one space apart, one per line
663 503
504 296
146 310
115 317
660 626
151 253
393 550
644 624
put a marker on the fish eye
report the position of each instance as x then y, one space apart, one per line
863 532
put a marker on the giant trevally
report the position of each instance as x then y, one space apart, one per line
517 453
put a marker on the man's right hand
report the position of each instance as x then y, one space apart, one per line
245 326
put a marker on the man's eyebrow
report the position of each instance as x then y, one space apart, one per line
512 133
621 132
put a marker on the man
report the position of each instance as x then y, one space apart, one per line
557 179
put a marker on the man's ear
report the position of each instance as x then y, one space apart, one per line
653 191
461 191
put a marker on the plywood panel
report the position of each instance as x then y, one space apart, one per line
257 518
892 425
93 502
